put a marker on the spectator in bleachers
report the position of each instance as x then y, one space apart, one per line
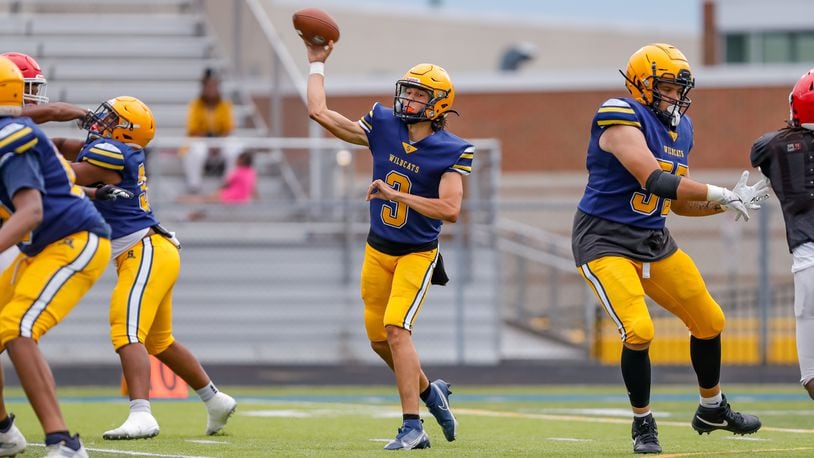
210 115
239 187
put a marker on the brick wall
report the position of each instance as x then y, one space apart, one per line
548 131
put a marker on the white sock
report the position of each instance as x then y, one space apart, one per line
641 415
140 405
208 392
714 401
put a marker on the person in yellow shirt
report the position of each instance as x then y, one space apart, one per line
209 115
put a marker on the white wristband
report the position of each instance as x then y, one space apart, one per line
317 68
714 193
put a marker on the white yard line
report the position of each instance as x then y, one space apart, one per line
132 453
538 416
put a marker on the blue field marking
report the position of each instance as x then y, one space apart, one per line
458 398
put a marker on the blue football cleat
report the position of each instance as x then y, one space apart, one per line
438 404
409 438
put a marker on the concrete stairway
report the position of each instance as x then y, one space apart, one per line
97 50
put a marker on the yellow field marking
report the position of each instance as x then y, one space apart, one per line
625 421
739 452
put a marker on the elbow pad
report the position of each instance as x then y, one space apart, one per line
663 184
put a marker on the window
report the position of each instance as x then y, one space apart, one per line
737 48
805 47
777 47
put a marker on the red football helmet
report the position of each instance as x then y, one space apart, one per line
801 102
35 82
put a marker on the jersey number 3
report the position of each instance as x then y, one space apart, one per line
647 204
394 213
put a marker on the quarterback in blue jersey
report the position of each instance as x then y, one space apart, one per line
638 173
417 184
65 246
147 259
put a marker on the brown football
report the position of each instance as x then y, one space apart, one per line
316 26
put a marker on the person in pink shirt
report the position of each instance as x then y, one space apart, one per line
240 187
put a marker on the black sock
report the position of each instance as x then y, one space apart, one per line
706 360
5 425
426 393
410 416
636 373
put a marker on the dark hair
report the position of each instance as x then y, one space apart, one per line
439 123
245 158
209 74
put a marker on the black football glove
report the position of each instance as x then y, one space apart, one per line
111 193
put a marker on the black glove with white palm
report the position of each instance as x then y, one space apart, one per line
751 195
112 193
728 201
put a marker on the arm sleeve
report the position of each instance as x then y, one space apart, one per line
104 155
195 127
21 171
366 122
226 121
464 163
616 112
760 156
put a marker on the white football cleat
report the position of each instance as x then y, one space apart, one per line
139 425
60 450
219 409
12 441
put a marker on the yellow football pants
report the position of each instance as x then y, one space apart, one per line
394 289
674 283
141 306
38 292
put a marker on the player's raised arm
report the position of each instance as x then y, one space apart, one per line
56 111
334 122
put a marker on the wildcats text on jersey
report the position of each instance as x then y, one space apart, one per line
415 168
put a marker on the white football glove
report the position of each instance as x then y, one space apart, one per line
728 200
751 195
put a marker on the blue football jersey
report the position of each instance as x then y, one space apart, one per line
125 216
415 168
28 160
612 193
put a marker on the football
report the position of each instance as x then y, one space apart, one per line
316 26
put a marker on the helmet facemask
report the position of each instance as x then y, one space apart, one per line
106 122
409 109
103 121
34 92
675 107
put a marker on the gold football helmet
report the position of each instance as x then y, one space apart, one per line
126 119
431 78
655 64
12 87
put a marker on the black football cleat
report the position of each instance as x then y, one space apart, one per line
708 419
645 435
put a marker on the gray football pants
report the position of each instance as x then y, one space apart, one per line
804 315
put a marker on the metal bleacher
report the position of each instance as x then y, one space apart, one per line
96 50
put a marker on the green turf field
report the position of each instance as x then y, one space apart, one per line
494 421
